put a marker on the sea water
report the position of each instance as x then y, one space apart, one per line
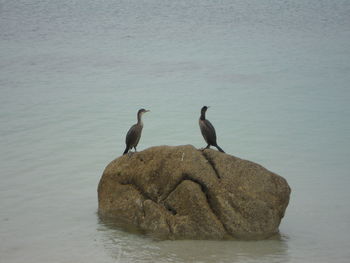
73 74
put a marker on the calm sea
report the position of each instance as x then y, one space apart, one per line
74 73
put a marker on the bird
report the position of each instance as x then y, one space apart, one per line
134 134
208 130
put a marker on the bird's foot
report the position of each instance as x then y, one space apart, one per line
202 149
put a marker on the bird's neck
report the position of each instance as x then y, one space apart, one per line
139 120
202 116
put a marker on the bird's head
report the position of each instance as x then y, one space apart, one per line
204 109
142 111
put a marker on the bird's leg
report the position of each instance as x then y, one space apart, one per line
202 149
135 149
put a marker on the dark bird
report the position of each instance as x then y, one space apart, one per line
208 130
134 134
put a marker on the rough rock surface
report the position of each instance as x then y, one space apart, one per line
184 193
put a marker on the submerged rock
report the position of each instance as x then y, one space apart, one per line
184 193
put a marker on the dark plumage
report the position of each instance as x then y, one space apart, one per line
134 134
208 130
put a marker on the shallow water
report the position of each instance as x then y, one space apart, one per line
74 73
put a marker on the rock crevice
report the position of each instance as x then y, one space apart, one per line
211 163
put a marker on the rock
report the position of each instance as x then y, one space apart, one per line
184 193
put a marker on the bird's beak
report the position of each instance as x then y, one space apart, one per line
147 110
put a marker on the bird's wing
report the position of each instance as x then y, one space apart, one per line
208 132
132 136
211 129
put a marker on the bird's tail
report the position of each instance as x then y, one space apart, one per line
221 150
126 150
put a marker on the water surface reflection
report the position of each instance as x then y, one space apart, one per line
128 247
